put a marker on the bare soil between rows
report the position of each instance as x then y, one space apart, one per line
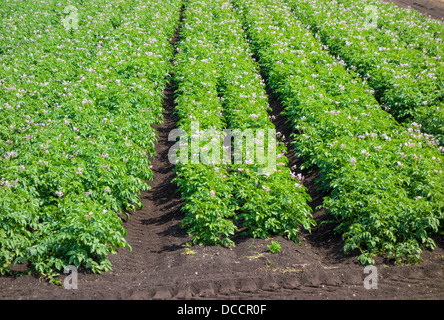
159 268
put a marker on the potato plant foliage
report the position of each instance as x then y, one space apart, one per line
400 56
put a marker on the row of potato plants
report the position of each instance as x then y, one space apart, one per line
220 87
408 83
76 112
385 181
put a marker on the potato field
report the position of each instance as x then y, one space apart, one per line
156 146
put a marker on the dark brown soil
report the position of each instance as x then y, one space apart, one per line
160 267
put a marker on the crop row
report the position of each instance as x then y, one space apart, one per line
79 98
407 83
385 181
219 87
